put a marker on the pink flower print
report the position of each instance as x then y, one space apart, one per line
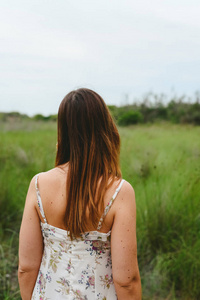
78 295
95 246
91 280
61 244
106 281
78 292
64 286
41 282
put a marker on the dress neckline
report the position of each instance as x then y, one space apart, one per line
67 232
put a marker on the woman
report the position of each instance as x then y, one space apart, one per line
78 232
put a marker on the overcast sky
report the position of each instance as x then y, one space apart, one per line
48 48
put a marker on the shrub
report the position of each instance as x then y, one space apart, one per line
40 117
129 118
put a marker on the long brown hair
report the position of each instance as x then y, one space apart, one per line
89 140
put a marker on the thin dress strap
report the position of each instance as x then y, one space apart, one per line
39 201
108 206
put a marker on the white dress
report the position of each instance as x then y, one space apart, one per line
77 269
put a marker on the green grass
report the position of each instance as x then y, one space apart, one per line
163 165
162 162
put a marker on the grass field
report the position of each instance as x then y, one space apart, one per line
162 162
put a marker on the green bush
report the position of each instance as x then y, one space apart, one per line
130 117
40 117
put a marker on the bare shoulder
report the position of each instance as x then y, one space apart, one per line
32 186
124 203
126 194
51 175
44 178
127 189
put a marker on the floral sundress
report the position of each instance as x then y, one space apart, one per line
78 269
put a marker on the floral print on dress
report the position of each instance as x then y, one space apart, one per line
41 286
101 297
78 295
106 281
42 282
69 266
55 258
64 286
77 270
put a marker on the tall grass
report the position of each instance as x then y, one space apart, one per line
26 150
162 162
163 165
8 266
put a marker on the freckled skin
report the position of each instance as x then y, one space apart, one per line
124 245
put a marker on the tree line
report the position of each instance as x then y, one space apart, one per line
152 108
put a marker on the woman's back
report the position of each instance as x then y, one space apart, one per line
52 187
77 269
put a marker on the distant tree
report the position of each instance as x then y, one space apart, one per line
40 117
13 115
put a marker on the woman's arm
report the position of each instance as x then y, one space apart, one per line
126 275
30 245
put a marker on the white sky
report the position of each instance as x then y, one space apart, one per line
48 48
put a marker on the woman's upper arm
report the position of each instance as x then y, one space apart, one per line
123 238
30 238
